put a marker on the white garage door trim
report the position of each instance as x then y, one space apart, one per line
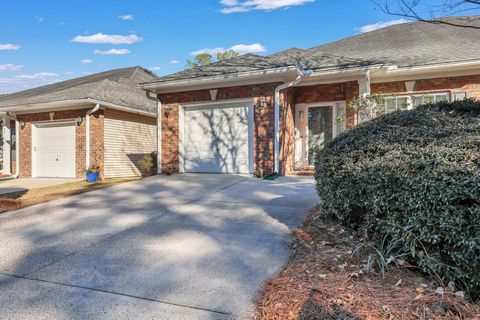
38 126
249 102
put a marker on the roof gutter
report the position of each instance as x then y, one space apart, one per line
223 79
35 107
300 75
396 69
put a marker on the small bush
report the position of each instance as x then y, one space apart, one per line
413 176
148 164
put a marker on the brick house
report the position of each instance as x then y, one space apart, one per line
60 130
257 114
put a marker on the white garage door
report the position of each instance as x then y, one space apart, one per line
217 139
55 150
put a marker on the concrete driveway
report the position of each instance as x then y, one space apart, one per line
179 247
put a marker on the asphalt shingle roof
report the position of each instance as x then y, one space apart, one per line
409 44
119 87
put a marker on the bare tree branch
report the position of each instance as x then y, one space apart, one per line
418 10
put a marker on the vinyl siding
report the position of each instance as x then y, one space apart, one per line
128 137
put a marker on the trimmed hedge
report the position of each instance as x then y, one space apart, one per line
415 176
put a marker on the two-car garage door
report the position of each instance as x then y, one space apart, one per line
217 138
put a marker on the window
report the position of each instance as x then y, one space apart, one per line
391 104
341 118
395 103
419 100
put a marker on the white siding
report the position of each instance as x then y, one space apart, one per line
128 137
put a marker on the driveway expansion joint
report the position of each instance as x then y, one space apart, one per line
225 313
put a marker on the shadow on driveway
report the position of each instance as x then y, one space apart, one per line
178 247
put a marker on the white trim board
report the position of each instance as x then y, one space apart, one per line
71 105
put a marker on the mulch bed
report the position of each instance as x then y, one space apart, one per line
325 278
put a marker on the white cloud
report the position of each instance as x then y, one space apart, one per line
380 25
11 67
108 38
26 81
248 48
40 19
231 6
127 17
212 51
240 48
86 61
9 46
112 52
41 75
154 68
174 62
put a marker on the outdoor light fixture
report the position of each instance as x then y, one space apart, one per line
78 119
262 102
167 111
22 124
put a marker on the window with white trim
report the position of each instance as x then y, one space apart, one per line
394 103
422 99
404 102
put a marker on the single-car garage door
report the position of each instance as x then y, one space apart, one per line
54 149
217 138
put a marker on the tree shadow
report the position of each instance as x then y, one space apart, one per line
227 132
184 239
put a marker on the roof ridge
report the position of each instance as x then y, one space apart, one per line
65 84
411 22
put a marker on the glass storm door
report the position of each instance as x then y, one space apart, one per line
320 131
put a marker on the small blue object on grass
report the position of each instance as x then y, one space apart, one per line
93 176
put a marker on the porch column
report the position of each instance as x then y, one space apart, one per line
364 85
7 146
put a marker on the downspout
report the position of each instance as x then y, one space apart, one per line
17 148
298 79
159 136
87 134
17 143
159 130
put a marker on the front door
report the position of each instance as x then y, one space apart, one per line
314 131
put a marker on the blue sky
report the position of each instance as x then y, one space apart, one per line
43 41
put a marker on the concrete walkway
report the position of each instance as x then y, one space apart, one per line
16 185
179 247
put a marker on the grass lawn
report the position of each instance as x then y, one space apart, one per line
31 197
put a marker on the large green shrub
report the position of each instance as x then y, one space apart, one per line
414 176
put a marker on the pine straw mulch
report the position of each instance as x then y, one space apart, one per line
325 278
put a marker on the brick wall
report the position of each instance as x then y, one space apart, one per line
469 84
345 91
287 131
96 141
170 138
263 120
263 96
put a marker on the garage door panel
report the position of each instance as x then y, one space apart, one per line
55 150
217 139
